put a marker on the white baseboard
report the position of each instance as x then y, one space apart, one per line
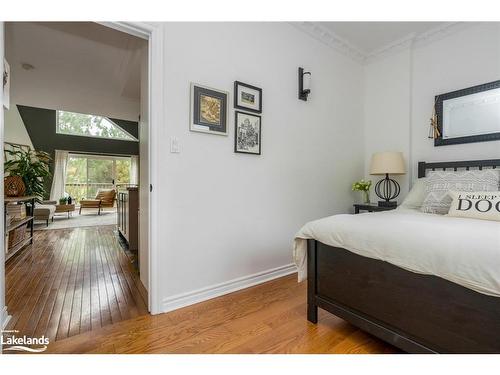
200 295
4 318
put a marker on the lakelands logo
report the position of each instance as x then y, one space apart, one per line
11 342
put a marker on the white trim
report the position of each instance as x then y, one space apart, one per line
326 36
4 318
200 295
153 32
318 32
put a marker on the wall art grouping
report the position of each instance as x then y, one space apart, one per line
209 113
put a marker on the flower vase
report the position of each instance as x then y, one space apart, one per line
366 197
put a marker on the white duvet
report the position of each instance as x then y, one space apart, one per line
463 251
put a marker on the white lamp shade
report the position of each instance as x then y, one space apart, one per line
387 162
307 81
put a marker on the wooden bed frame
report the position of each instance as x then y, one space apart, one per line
414 312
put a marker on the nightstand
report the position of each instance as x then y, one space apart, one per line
370 207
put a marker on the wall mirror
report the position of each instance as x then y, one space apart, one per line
469 115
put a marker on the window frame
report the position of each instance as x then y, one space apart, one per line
134 139
113 158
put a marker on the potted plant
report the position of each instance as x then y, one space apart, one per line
363 186
63 201
30 166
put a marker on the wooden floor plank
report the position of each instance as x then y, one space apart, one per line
85 316
76 308
71 281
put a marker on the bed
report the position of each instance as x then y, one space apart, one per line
439 306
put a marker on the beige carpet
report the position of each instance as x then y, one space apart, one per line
86 219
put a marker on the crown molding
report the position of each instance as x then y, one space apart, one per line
319 32
331 39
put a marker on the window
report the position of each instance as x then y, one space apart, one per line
73 123
85 174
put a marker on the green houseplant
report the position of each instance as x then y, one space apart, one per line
363 186
32 167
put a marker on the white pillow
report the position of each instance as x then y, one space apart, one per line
416 196
476 205
439 183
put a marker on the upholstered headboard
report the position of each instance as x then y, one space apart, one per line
423 166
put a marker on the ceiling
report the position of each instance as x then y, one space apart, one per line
75 63
369 37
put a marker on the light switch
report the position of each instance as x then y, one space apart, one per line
174 145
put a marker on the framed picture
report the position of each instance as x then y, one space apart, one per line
247 97
6 84
209 110
247 135
8 146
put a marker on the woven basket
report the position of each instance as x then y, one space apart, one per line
14 186
16 236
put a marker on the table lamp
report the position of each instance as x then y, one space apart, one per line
385 163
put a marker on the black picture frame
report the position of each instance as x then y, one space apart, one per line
237 147
440 141
202 94
239 105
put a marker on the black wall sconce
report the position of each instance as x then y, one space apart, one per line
304 84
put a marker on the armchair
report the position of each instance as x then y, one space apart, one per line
103 198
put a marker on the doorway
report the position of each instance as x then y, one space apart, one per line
113 165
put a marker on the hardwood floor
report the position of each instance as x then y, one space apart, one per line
268 318
71 281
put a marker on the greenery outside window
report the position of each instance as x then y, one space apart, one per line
86 174
72 123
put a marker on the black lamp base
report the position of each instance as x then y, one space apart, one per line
387 203
387 189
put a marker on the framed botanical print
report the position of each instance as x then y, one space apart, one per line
247 97
247 135
209 110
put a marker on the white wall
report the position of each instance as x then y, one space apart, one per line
387 111
14 130
3 311
225 216
465 59
400 90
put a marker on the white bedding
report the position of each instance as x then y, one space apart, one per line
464 251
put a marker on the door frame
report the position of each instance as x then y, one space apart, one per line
153 33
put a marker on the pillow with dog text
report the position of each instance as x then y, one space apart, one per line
483 205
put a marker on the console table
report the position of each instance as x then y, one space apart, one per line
128 216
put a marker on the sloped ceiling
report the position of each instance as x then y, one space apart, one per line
78 66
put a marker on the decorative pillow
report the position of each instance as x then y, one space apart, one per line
439 183
416 196
483 205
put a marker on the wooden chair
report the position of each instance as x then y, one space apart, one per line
103 198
